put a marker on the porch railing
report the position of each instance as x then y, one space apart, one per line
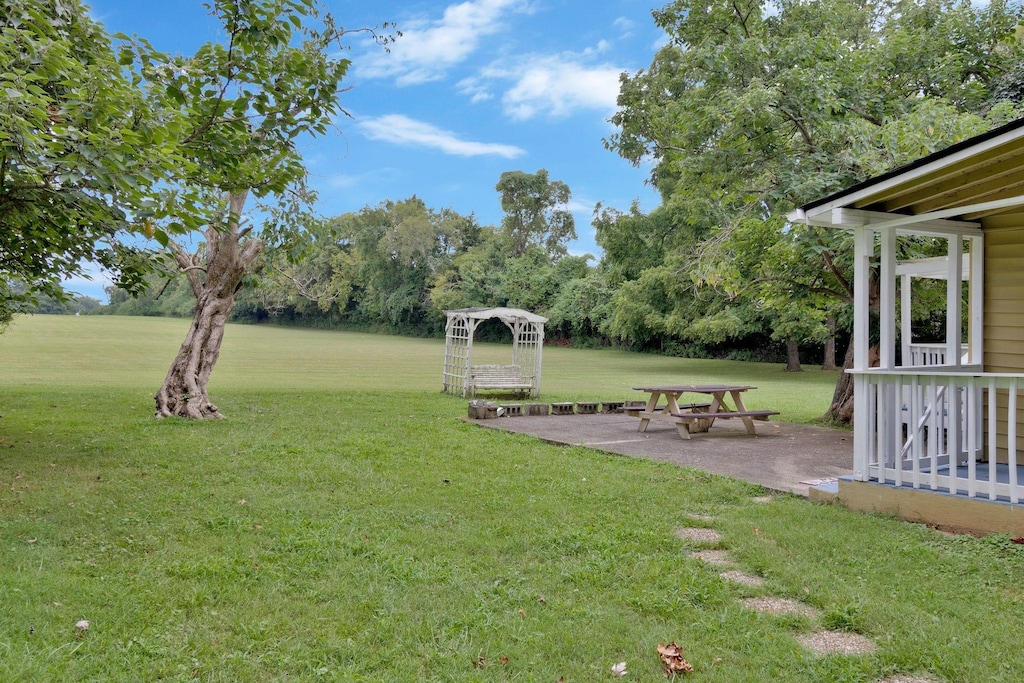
942 429
927 354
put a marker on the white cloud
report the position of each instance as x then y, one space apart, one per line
401 130
558 85
577 206
626 25
476 90
428 48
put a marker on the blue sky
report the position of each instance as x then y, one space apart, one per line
471 89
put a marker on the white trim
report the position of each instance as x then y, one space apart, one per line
937 165
926 223
934 268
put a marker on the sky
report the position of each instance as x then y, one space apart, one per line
470 90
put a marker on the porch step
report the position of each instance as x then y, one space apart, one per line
824 492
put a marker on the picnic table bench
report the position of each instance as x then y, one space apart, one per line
507 378
698 417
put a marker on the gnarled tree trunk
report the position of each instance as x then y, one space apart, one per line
215 276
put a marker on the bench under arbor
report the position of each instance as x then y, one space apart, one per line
522 377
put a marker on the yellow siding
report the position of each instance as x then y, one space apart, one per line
1004 311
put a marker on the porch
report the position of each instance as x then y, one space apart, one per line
938 423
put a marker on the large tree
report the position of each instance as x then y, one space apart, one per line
238 107
81 150
535 212
755 107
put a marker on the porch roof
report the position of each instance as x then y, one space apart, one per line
947 192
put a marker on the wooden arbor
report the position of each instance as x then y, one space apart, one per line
522 376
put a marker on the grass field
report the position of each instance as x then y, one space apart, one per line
344 524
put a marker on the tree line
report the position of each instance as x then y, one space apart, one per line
397 266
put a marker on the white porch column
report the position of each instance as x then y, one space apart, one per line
906 283
954 305
976 298
887 301
863 251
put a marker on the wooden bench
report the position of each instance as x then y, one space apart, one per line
698 422
634 411
505 378
761 415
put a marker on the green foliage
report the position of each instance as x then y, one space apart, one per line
535 212
755 107
81 150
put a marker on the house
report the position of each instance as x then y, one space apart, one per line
939 427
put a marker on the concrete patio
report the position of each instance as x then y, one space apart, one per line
782 457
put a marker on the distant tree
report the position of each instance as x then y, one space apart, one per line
535 212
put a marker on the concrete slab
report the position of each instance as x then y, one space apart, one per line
780 457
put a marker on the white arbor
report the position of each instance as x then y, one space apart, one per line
522 376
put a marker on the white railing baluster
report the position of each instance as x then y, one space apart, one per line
933 433
1011 440
992 452
954 419
896 435
916 450
972 437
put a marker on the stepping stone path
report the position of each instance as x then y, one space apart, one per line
819 642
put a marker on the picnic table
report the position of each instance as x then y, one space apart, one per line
698 416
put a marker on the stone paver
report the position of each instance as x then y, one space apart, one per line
744 578
837 643
698 534
773 605
719 558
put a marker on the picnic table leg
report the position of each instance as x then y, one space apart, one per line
747 422
652 403
683 429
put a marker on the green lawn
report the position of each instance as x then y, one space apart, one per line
344 524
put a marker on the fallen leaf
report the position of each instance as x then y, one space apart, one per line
672 657
619 669
242 501
32 540
522 612
542 601
503 660
1018 539
480 662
